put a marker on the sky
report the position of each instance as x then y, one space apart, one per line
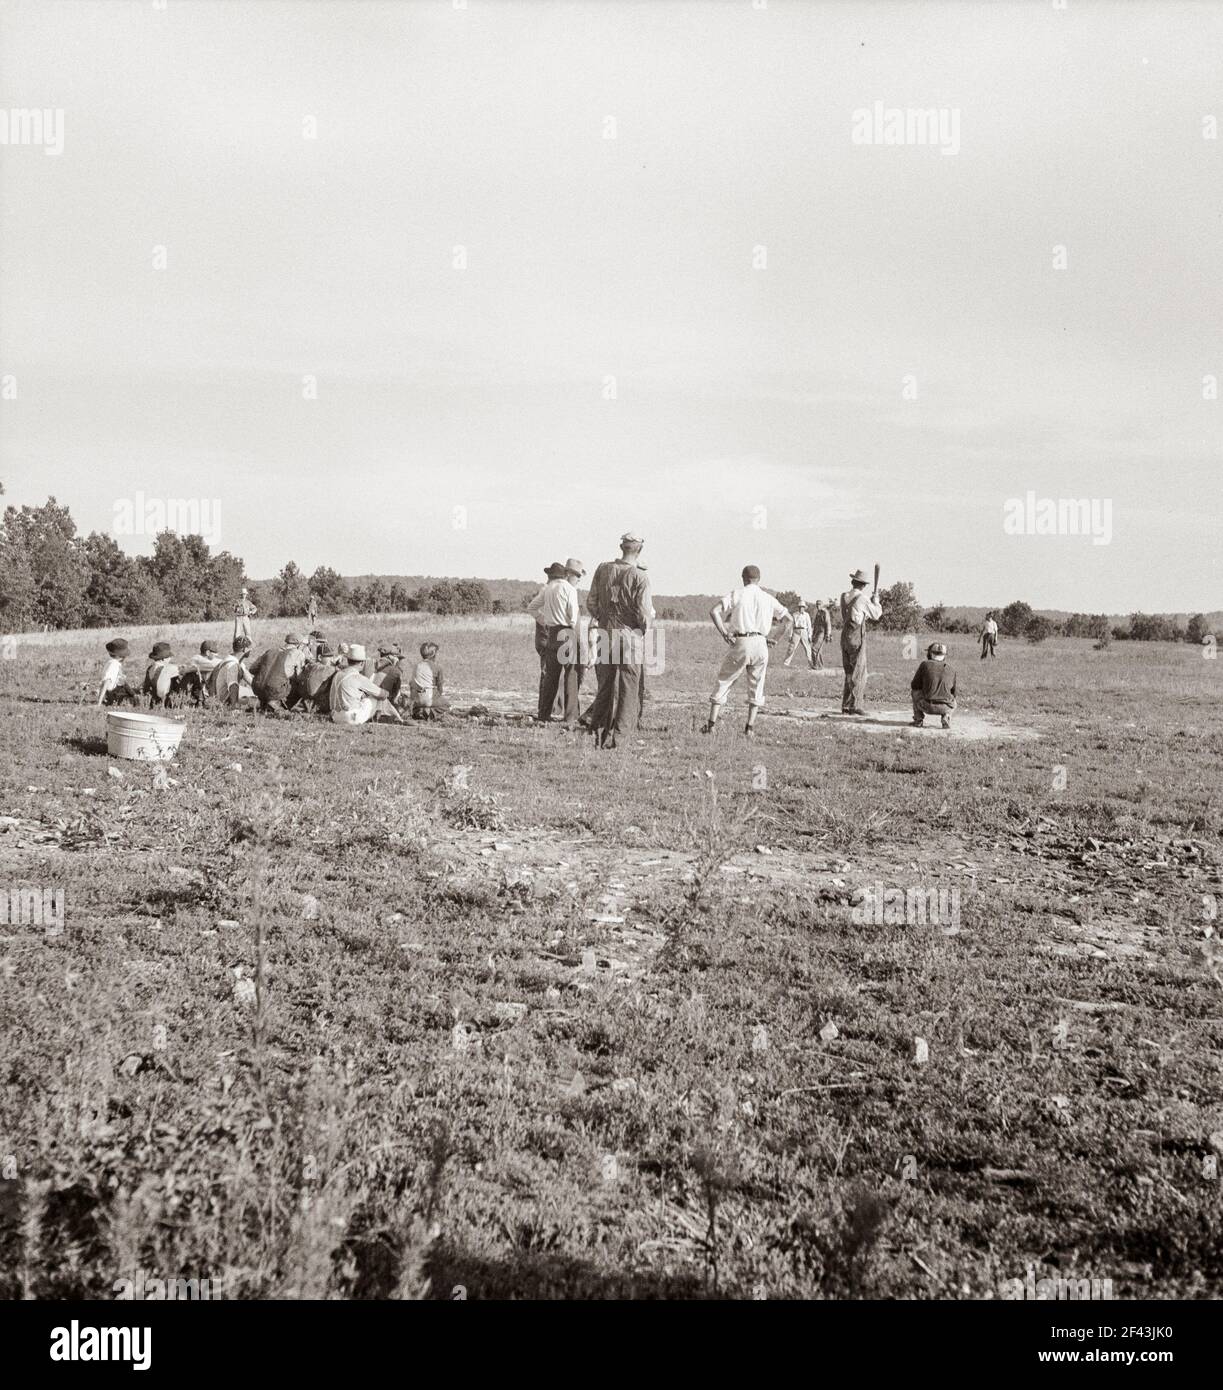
418 287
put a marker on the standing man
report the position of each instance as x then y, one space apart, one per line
822 634
801 635
744 618
857 606
619 603
989 637
312 611
556 610
244 611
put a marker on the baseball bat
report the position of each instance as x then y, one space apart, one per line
876 590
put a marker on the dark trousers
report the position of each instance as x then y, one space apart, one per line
617 706
988 643
558 677
853 663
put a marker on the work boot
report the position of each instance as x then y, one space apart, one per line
708 727
749 731
946 721
918 721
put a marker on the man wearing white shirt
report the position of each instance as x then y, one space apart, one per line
556 611
989 637
801 635
744 618
857 607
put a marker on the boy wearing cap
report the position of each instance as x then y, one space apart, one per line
620 606
857 606
744 618
114 689
556 611
933 687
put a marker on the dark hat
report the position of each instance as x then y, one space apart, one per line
160 651
555 570
209 647
117 646
242 644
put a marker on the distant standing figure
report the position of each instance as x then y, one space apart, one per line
312 610
933 687
744 619
801 636
244 611
821 634
989 637
857 607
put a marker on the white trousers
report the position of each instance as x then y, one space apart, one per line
364 712
750 654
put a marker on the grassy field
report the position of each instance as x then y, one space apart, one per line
401 1011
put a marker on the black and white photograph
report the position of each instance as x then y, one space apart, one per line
609 681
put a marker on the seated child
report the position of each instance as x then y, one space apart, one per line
387 673
229 681
158 674
426 684
933 687
114 689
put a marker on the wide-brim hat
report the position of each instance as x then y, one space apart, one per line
356 652
117 646
632 538
160 651
858 578
575 566
555 570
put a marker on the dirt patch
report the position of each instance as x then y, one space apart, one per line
900 721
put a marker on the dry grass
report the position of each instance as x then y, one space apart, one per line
434 1083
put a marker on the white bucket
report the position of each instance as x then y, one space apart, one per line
147 737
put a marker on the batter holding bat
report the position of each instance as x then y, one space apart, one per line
857 607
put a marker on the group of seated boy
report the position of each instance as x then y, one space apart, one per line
340 682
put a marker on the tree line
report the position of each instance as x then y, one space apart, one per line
51 577
54 578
